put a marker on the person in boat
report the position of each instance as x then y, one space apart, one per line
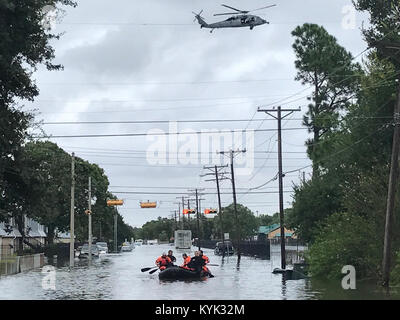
196 263
163 262
170 255
206 261
186 260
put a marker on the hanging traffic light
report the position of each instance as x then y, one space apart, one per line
148 204
189 211
210 211
115 202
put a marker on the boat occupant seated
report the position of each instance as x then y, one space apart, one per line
171 256
206 261
196 263
163 262
186 260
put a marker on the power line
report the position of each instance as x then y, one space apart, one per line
158 134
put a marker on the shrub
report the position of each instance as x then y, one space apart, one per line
344 239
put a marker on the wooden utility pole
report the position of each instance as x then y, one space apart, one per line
232 154
217 178
72 215
196 193
393 181
279 117
115 231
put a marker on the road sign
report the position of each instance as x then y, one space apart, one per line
115 202
226 236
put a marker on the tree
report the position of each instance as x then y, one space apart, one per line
314 201
384 36
25 43
247 222
341 241
328 67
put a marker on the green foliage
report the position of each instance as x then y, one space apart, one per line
25 43
246 222
344 239
313 202
324 64
395 274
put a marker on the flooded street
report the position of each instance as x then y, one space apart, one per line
118 277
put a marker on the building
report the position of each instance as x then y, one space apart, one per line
11 238
273 232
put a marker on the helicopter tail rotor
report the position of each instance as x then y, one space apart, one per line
197 15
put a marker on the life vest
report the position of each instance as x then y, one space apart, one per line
163 262
205 258
185 262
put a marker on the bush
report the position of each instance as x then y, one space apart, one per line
395 274
345 239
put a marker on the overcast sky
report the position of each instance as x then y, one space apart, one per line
130 60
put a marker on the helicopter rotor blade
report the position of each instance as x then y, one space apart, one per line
274 5
224 14
241 11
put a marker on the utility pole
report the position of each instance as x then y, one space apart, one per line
179 215
90 220
72 215
393 180
196 192
232 154
115 231
217 173
279 117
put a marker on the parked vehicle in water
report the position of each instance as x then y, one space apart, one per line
85 251
222 248
103 247
127 247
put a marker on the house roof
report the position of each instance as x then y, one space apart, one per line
268 229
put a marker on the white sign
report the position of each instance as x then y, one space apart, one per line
226 236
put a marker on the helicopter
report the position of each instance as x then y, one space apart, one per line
239 19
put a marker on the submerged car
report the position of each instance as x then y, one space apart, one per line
102 246
224 248
127 247
85 251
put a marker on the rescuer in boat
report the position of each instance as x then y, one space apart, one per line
186 260
170 255
163 262
206 261
196 263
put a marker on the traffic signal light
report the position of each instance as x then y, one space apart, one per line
88 212
210 211
115 202
189 211
148 204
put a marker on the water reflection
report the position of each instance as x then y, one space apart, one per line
118 276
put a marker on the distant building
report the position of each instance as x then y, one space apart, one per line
274 232
11 238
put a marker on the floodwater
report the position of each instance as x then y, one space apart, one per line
118 277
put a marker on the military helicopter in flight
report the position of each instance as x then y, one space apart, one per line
238 19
